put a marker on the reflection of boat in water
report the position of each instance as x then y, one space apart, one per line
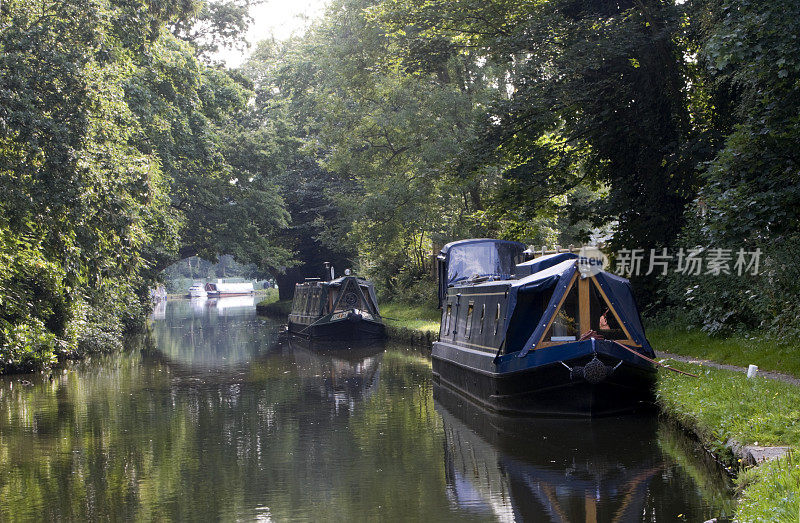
229 304
539 469
159 310
343 376
195 333
550 336
198 305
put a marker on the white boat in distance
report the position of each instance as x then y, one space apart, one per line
197 290
220 289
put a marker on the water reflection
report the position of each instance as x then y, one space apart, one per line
611 469
215 418
342 376
213 333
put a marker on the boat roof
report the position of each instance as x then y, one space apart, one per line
340 279
450 245
528 281
543 262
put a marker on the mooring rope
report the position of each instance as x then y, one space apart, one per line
593 334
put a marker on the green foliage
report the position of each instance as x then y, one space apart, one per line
750 188
770 491
214 25
528 121
26 345
113 145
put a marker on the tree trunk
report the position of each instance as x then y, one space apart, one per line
286 284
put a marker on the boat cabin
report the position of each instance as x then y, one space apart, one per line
320 307
493 301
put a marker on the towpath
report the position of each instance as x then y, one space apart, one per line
779 376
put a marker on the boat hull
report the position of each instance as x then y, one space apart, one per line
351 327
583 379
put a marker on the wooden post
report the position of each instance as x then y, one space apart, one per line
584 324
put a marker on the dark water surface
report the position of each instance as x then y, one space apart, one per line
219 418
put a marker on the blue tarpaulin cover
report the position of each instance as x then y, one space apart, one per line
542 263
617 289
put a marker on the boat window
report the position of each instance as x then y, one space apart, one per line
497 318
491 259
371 306
483 315
565 323
602 318
447 321
470 310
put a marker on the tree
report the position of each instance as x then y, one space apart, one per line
80 203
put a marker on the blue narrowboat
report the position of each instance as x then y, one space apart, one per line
555 335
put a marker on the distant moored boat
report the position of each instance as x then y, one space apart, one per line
197 290
342 308
220 289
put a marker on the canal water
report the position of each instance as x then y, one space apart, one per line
216 416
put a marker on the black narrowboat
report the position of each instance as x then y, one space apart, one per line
344 308
554 336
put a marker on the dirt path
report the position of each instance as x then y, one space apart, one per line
779 376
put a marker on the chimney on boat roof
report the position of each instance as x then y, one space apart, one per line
329 272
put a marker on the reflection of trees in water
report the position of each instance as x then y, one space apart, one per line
569 470
213 333
137 438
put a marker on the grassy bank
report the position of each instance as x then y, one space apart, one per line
752 348
723 406
412 317
270 305
410 323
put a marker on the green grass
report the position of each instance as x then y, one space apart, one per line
723 405
269 296
272 306
756 349
414 317
770 492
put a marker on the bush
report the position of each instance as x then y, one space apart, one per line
26 346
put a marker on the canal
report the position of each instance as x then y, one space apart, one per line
215 416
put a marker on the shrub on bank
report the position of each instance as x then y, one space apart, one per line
41 320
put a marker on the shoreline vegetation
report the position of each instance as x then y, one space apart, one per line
728 413
409 323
